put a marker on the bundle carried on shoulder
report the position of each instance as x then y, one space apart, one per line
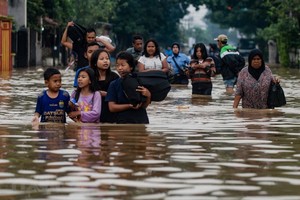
130 84
76 33
155 81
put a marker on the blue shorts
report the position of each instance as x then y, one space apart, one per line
230 82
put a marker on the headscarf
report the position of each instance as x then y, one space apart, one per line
256 72
177 44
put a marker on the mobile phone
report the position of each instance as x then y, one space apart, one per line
73 101
209 59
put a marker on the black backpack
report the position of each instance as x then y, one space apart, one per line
76 33
234 61
155 81
218 63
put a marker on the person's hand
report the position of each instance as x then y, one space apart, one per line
74 114
197 66
213 69
103 93
187 72
71 23
35 121
144 91
276 79
136 107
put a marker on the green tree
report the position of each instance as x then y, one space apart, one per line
245 15
285 15
271 19
88 12
35 10
150 18
58 10
61 11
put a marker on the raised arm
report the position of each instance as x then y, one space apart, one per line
64 39
104 40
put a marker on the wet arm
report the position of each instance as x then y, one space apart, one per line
103 93
145 92
236 101
114 107
141 67
212 68
36 117
165 67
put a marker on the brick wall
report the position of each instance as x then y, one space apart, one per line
4 7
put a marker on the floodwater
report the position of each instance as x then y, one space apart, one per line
193 148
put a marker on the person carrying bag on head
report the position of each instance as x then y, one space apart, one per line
178 62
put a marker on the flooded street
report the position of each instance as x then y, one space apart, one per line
193 148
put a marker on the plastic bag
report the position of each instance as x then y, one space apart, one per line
276 97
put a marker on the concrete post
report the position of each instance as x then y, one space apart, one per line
272 52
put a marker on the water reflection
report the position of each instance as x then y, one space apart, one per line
201 99
193 148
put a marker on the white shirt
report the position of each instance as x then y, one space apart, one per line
152 63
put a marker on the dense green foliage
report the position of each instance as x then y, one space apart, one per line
62 11
284 29
244 15
37 10
156 19
90 12
150 18
270 19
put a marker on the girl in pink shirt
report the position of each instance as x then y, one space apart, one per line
86 100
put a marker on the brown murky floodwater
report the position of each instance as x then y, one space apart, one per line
193 148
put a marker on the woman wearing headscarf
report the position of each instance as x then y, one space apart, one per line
179 62
253 83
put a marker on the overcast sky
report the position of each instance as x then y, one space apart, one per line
195 18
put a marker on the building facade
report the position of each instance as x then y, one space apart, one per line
5 37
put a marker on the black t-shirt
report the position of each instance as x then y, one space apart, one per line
79 49
106 115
